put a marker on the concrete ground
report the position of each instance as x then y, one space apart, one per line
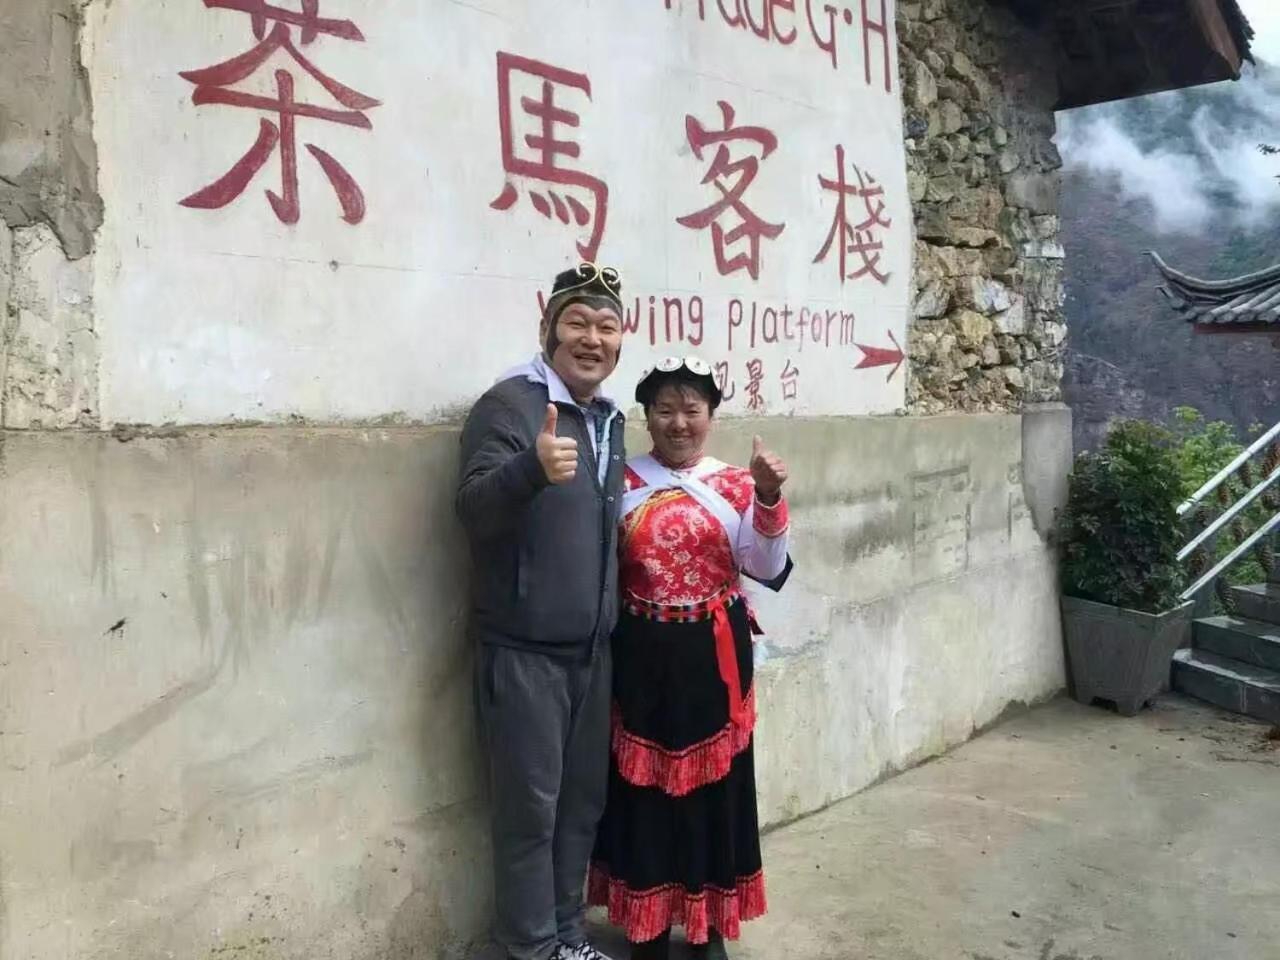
1067 833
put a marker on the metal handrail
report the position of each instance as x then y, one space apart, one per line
1208 536
1228 515
1232 557
1230 468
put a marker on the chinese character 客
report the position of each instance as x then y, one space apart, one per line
731 178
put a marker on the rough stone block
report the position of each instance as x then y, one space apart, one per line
1012 321
934 10
951 117
932 301
984 295
971 236
944 189
960 261
917 185
932 222
972 329
1037 192
924 87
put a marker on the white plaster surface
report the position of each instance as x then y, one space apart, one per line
226 314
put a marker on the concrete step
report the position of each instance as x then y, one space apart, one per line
1249 641
1258 601
1235 686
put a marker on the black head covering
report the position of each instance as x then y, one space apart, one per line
681 373
585 283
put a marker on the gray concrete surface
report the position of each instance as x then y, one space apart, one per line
235 714
1067 833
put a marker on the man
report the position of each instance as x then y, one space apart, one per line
540 493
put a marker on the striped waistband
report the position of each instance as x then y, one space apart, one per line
681 612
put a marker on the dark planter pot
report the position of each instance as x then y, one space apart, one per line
1121 655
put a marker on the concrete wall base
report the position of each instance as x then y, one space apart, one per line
235 692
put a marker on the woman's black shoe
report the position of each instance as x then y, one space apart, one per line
658 949
713 949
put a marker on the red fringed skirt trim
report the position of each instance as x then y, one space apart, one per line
646 914
678 773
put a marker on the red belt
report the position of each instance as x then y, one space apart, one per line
727 657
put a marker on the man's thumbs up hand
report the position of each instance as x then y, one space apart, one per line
558 455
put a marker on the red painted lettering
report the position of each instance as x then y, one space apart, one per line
880 28
735 20
735 318
702 8
760 29
769 325
724 381
790 381
755 375
789 37
695 320
547 144
863 238
213 86
668 303
732 177
826 44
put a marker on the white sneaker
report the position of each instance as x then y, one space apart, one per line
583 951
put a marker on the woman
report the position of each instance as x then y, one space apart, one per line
679 842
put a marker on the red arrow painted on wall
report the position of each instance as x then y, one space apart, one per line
881 356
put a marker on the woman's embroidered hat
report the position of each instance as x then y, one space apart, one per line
677 370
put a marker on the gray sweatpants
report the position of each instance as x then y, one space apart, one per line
546 728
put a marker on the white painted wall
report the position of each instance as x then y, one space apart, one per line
214 315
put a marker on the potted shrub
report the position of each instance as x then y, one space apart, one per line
1119 537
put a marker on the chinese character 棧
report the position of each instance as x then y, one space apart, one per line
213 86
861 239
790 381
730 179
755 376
539 154
724 381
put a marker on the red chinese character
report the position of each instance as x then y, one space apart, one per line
790 381
547 147
755 374
724 381
863 238
309 19
731 179
212 85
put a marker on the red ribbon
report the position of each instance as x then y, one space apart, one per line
727 658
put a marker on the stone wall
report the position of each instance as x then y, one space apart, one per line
987 323
49 210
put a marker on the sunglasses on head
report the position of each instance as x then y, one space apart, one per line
589 273
695 365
